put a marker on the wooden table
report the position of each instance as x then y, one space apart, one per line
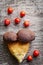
34 9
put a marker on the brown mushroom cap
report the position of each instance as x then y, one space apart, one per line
10 36
26 35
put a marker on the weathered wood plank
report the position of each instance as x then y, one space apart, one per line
34 9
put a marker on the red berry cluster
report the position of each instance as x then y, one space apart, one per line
35 54
16 20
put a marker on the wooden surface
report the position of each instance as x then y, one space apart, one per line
34 9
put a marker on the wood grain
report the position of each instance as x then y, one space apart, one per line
34 9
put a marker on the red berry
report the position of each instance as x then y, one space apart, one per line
22 13
17 20
26 23
6 22
36 53
10 10
29 58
